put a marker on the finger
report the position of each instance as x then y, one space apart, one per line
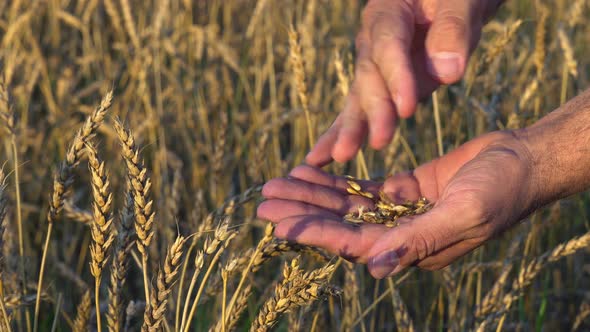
348 241
454 32
275 210
391 33
352 132
403 187
375 99
427 82
318 176
311 193
415 240
321 154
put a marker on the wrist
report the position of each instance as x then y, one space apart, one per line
538 192
558 150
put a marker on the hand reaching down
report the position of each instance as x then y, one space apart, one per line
405 50
478 190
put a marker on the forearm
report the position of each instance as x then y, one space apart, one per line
559 146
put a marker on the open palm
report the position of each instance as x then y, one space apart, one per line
479 190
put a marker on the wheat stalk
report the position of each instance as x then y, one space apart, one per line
261 244
154 314
223 236
234 316
8 118
349 296
198 262
255 17
113 12
402 317
129 23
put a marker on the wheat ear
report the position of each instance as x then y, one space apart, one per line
142 204
529 272
155 313
5 324
101 228
83 314
296 60
120 265
297 289
63 180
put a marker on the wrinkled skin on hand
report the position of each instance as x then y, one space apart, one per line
405 50
479 190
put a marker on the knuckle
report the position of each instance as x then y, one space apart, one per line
423 245
453 24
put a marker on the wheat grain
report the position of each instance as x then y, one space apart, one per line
129 23
255 17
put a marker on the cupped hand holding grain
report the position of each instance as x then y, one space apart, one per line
405 50
480 189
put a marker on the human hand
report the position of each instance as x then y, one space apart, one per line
405 50
479 190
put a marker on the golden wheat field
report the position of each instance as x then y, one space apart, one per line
137 134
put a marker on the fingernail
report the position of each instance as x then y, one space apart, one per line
445 65
384 265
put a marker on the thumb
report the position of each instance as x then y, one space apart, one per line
455 30
414 240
